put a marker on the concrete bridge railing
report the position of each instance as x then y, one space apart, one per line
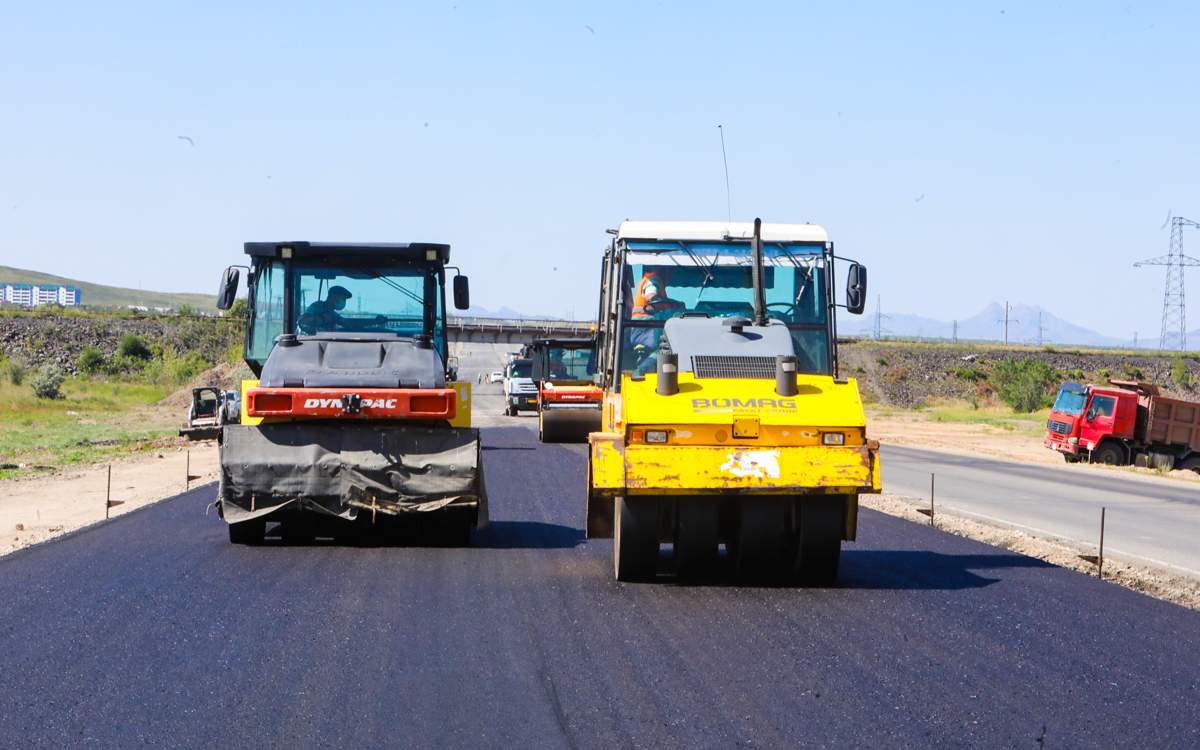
514 330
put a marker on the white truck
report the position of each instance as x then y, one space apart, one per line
520 392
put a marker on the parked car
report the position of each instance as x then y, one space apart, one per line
496 377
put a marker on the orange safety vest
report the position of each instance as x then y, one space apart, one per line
641 305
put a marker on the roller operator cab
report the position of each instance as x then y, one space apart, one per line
726 431
354 419
568 399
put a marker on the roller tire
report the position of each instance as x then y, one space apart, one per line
298 529
818 539
761 543
247 532
696 541
635 539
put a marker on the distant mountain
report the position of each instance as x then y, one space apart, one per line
986 325
100 295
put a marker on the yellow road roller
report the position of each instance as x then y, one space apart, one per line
729 444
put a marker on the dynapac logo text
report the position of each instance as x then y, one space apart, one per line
336 403
743 403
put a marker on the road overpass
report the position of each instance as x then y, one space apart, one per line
514 330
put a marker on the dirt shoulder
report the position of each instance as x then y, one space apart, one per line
36 508
1156 582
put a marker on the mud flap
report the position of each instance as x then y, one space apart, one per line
340 468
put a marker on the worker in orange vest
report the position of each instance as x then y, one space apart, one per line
651 303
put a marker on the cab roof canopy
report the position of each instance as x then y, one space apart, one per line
718 231
372 251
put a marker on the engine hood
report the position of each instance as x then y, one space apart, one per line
341 360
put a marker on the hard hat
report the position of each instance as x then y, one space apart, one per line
339 291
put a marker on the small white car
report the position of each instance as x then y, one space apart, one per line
496 377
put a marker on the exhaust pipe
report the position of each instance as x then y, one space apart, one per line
785 375
668 374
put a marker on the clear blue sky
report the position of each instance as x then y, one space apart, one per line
1048 140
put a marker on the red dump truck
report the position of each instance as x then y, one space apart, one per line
1125 422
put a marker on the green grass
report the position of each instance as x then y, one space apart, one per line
60 432
1002 417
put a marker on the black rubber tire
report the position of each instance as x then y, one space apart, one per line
761 543
247 532
818 539
635 539
1109 455
1191 463
697 547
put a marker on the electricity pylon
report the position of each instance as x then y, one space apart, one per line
1174 316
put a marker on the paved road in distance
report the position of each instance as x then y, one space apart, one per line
1148 519
152 629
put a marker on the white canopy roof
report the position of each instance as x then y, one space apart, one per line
719 231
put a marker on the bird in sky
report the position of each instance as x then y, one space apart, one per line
190 142
589 28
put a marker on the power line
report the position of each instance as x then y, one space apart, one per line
1174 315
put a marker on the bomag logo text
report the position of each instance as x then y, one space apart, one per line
336 403
743 403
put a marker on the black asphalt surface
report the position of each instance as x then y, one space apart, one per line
152 630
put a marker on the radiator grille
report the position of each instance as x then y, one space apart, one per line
1062 428
710 366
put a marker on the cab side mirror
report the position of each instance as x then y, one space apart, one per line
462 293
228 289
856 288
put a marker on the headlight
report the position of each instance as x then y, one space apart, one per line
1073 440
656 436
833 438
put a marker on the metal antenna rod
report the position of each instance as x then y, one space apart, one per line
728 193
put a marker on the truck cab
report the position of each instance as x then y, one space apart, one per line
1083 418
520 392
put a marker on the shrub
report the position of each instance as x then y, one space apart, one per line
1023 384
47 383
180 370
1075 374
91 361
15 369
134 347
969 373
1132 373
1179 372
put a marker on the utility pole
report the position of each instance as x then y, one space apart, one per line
1006 321
878 316
1041 329
956 331
1174 315
1135 339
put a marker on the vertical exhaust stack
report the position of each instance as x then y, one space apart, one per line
668 374
760 298
785 375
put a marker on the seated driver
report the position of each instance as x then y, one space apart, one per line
651 303
321 316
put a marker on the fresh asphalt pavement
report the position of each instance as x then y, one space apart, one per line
1148 519
153 630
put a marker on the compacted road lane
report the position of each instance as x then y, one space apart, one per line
152 629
